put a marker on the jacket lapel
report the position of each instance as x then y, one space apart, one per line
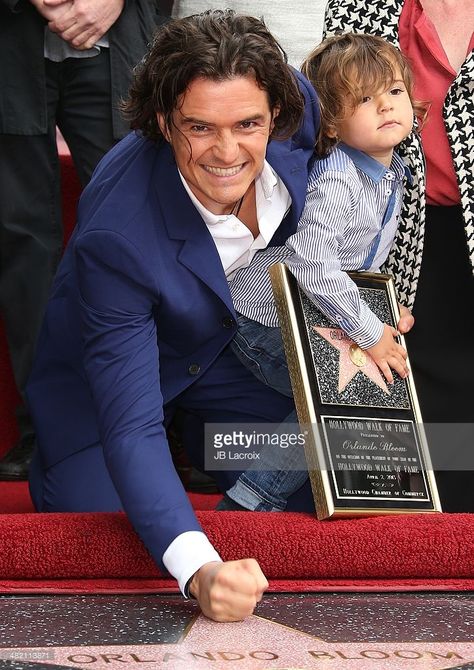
292 160
182 222
292 168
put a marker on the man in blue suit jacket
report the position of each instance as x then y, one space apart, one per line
140 318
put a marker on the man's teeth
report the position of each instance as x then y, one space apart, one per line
223 172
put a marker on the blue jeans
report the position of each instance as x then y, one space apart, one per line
280 472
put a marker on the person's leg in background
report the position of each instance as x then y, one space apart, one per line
30 249
79 102
441 353
84 114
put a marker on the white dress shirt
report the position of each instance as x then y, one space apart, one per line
235 243
236 247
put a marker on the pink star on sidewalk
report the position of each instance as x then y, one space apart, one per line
351 359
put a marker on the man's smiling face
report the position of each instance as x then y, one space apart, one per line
219 134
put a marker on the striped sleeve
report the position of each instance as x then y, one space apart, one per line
331 205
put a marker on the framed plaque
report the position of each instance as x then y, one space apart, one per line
365 444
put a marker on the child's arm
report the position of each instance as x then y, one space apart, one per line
326 246
387 353
323 250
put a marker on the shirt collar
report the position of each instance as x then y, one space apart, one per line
266 181
373 168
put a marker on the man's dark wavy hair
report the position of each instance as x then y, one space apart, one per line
216 45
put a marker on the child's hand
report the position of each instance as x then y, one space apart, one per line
387 353
406 320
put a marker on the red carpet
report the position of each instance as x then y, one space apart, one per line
101 553
287 546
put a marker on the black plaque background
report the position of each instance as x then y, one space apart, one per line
390 472
360 390
361 399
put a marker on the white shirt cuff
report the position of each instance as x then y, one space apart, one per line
186 554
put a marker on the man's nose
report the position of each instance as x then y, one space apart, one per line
226 147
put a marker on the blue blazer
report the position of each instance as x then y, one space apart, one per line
141 270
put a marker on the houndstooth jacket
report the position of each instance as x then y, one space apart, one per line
381 17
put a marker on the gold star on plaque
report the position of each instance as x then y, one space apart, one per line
351 359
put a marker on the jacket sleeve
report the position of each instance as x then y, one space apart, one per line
121 358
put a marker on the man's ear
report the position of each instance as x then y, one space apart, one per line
163 127
275 113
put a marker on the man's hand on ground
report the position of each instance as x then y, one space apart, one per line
229 591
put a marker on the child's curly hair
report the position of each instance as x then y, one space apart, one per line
346 67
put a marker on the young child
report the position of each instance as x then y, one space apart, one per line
349 222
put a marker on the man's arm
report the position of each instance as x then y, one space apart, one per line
225 591
117 297
85 21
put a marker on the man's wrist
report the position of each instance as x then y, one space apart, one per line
192 587
186 554
187 588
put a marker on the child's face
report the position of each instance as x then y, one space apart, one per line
380 122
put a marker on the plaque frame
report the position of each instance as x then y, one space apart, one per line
312 411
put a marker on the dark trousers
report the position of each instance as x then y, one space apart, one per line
227 393
441 349
79 103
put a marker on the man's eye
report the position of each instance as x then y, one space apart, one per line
247 124
199 129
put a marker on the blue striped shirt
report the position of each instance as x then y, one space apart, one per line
348 223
